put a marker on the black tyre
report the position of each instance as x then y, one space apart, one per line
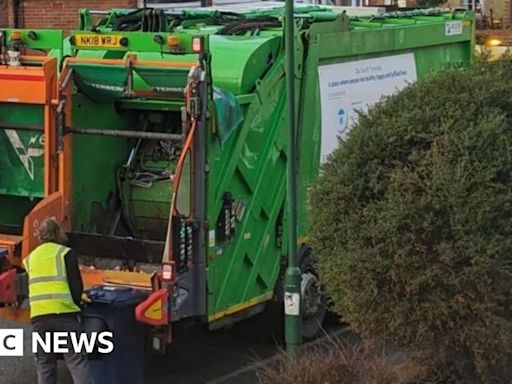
313 301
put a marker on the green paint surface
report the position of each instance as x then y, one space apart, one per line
251 163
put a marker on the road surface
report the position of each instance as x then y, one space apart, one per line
196 356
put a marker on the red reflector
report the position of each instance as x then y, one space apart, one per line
155 309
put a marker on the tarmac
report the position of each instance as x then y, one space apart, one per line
22 370
196 356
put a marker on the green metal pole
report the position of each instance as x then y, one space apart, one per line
293 332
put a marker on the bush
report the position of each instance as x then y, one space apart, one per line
336 362
413 224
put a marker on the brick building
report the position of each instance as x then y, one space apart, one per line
3 13
62 14
500 9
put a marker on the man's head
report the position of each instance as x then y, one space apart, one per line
50 232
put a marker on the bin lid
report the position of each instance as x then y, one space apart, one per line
118 296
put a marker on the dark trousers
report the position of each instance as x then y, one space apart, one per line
46 363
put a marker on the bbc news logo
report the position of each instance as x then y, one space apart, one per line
11 342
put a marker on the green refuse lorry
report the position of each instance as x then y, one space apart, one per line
158 138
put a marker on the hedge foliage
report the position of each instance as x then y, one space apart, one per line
338 361
412 224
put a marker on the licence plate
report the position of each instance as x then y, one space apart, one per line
98 41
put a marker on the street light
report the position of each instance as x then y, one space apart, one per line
293 332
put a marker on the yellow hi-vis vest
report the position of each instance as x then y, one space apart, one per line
48 286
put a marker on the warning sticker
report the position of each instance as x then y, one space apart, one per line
211 238
452 28
291 304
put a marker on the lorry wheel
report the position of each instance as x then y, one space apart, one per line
313 298
313 301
